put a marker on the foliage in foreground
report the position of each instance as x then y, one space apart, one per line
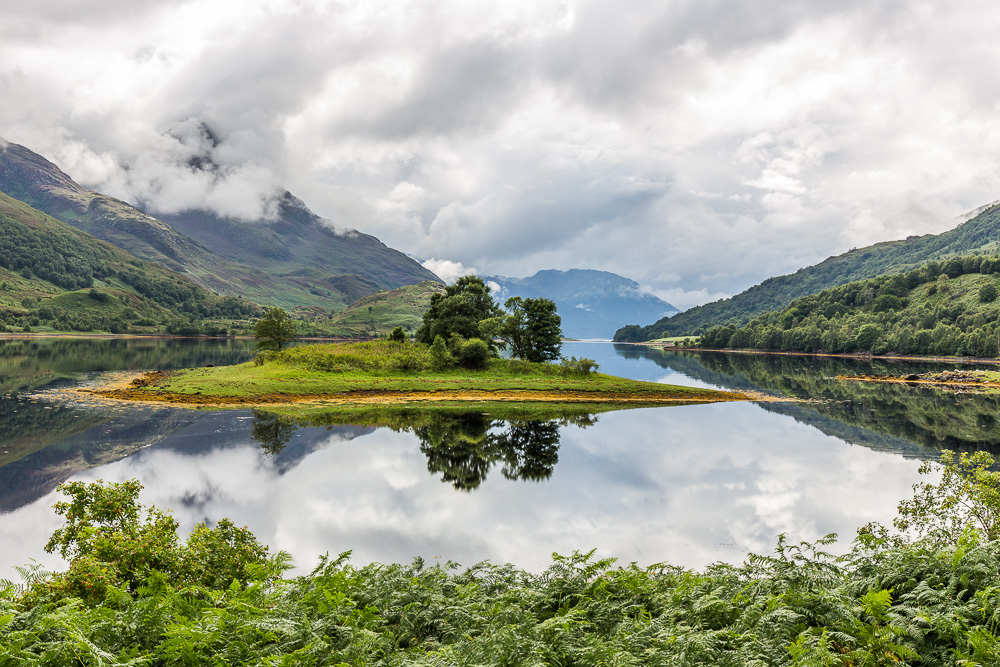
927 597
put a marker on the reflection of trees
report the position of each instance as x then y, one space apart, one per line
272 432
928 417
465 447
27 364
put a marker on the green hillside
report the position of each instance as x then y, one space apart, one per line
56 277
981 234
380 313
295 260
941 308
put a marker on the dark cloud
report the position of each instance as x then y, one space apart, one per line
695 146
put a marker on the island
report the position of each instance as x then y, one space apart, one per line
392 373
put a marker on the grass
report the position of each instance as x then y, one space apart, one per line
377 370
693 340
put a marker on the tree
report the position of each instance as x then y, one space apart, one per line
531 328
398 335
458 311
440 356
274 330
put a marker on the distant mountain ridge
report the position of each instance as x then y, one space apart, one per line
981 234
294 260
592 304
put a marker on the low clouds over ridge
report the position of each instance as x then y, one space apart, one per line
696 147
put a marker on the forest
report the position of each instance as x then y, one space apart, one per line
941 308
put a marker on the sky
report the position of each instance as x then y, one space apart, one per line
697 147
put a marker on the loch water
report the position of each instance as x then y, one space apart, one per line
688 485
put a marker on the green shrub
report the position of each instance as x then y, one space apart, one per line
474 354
988 293
581 366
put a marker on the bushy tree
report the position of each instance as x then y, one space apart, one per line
274 330
474 354
398 335
458 311
531 329
113 541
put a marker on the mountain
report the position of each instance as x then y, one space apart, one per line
941 308
54 275
592 304
979 234
293 260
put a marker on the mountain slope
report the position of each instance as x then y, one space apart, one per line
292 261
298 243
980 234
378 314
592 304
54 275
941 308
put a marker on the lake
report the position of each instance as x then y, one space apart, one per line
688 485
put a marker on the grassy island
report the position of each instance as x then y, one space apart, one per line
384 372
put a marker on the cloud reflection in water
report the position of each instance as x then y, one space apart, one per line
687 485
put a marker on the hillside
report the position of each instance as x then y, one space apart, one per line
941 308
592 304
295 260
980 234
56 277
378 314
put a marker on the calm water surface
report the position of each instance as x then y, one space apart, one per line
688 485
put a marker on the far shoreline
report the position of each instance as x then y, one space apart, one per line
843 355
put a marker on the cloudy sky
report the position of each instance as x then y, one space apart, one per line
697 147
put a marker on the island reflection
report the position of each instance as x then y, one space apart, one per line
462 446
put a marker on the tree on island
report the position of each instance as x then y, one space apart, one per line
531 328
458 311
274 330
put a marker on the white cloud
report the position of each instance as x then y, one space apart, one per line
447 270
698 147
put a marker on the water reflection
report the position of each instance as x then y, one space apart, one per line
461 446
28 364
271 431
913 420
688 485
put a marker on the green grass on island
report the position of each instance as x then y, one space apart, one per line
382 371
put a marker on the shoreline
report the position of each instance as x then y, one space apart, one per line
139 387
841 355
